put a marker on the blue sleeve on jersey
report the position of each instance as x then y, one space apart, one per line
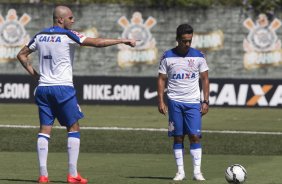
31 41
192 53
195 53
33 38
59 30
73 36
169 53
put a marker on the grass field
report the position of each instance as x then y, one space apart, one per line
19 168
252 119
135 157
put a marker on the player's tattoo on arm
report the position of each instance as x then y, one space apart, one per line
23 57
27 63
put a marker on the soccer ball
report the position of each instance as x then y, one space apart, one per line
236 174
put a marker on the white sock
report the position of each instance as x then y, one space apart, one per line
196 159
42 152
178 155
73 152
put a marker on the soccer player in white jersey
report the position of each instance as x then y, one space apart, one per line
181 68
55 94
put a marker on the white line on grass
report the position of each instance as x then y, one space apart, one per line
148 129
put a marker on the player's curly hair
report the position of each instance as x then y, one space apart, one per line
183 29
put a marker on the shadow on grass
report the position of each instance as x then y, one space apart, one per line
31 181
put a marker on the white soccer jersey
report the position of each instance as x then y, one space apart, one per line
183 74
56 48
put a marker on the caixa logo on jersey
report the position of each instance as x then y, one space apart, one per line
250 93
178 76
49 39
13 35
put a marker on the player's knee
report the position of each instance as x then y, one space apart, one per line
74 127
45 129
194 138
178 139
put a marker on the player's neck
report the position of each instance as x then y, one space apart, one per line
58 25
180 51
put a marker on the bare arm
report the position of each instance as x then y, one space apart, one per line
206 91
161 87
27 64
104 42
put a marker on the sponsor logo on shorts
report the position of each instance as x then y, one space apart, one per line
170 126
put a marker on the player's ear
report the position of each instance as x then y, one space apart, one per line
60 20
177 40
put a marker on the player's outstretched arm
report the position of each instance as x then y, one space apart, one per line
27 64
104 42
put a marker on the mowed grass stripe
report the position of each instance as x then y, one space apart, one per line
220 135
141 142
234 119
148 129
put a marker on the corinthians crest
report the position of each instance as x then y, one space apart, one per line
12 35
262 45
145 51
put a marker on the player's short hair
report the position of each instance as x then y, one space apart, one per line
183 29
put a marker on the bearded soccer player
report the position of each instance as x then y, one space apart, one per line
55 95
181 68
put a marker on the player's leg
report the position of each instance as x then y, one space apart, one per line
42 152
178 149
73 145
73 153
46 121
68 113
176 130
196 154
193 119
